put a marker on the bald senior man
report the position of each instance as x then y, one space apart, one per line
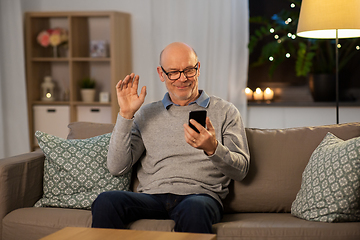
183 174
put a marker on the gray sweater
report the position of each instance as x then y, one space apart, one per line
167 163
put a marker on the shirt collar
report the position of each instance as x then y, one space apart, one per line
202 101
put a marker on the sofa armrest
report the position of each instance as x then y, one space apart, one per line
21 181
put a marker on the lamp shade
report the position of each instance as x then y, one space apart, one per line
321 19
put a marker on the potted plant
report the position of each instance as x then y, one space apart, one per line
313 57
87 90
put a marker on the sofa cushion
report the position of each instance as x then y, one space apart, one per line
277 159
35 223
281 226
330 188
75 171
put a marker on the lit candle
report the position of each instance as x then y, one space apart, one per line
258 94
268 94
249 93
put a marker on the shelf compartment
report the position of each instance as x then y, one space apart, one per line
59 72
100 71
42 23
90 28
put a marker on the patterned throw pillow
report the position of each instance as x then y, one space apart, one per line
330 188
75 171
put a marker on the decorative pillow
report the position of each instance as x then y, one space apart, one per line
330 188
75 171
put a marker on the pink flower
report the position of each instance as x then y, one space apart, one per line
44 38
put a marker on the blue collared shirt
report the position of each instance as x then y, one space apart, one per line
202 101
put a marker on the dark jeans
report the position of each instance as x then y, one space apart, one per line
192 213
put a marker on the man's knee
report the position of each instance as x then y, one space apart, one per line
197 213
104 200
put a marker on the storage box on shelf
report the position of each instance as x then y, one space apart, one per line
51 119
74 62
96 114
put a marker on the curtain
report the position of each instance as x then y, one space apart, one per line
14 137
2 134
218 31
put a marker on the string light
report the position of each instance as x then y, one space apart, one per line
287 55
279 40
272 30
357 47
289 35
276 36
271 58
293 36
289 20
292 5
339 45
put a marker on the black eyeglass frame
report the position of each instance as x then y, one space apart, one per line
196 67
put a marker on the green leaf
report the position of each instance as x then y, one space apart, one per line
304 60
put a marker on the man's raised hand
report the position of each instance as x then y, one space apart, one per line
127 94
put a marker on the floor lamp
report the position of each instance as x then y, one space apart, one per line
330 19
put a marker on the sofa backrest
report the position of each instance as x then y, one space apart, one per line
277 160
82 130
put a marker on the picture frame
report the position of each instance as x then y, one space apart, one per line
99 48
104 97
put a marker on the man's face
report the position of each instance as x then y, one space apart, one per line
185 89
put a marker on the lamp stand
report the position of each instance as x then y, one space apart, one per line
337 76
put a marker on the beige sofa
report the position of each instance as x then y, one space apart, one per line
256 208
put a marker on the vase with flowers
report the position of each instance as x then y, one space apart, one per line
53 37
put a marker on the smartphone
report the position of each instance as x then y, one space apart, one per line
199 116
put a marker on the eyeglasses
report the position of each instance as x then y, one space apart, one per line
188 72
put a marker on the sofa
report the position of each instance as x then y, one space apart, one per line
259 207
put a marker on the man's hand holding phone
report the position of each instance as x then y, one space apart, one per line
205 138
